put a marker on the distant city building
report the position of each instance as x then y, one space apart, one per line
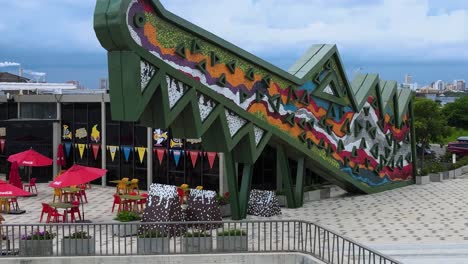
439 85
9 77
460 85
408 79
103 84
450 87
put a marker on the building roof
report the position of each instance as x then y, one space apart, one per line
9 77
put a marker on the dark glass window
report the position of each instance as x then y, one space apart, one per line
38 111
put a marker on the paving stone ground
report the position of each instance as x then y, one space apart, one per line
394 221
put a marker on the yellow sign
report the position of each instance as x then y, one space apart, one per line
112 150
81 133
67 134
95 134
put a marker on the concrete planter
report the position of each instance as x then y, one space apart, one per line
435 177
35 248
312 195
197 244
78 247
420 180
153 245
464 169
126 229
231 243
4 244
444 175
458 172
325 193
282 200
225 210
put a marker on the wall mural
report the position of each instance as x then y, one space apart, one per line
362 130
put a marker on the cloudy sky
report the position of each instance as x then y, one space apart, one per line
426 38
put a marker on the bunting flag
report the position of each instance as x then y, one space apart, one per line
95 150
177 153
193 157
81 148
68 146
126 150
160 153
211 158
141 153
2 144
112 150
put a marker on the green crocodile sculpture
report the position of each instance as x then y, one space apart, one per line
166 72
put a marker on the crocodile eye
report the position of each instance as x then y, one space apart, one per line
139 20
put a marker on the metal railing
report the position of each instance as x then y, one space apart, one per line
139 238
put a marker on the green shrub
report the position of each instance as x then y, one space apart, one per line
38 235
127 216
232 232
197 234
436 167
79 235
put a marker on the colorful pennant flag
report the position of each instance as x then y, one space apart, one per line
112 150
81 148
141 153
211 158
2 144
126 150
177 153
95 150
160 153
68 146
194 157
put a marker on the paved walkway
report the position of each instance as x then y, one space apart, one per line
417 224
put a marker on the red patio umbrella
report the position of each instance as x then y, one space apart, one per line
30 158
60 156
76 175
14 177
10 190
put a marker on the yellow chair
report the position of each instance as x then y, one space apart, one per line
125 179
134 186
122 188
58 194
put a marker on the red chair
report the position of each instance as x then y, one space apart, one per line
14 203
142 202
117 200
181 194
51 213
72 211
82 193
30 185
45 210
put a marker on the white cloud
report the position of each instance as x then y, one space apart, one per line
393 29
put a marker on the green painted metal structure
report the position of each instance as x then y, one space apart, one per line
168 73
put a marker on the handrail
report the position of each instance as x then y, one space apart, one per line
110 239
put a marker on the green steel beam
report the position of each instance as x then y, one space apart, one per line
283 168
245 189
299 191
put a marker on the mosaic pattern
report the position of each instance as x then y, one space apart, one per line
258 135
206 106
235 123
203 207
146 72
263 203
316 111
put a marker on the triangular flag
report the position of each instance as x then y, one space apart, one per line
141 153
81 148
126 151
112 150
177 153
193 157
68 146
211 158
2 144
95 150
160 153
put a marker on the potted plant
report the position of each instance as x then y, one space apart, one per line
423 177
78 243
129 228
152 241
232 240
224 204
197 242
434 172
36 244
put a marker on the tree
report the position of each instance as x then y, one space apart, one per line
430 124
457 113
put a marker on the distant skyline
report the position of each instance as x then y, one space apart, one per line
424 38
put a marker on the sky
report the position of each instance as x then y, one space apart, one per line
425 38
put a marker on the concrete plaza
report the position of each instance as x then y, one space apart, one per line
416 224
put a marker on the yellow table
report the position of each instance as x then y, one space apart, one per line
128 183
133 199
69 191
64 206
